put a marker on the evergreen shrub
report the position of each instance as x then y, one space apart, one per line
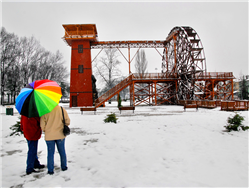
111 118
16 129
235 123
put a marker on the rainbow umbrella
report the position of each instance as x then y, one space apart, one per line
38 98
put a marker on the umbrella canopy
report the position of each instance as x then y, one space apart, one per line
38 98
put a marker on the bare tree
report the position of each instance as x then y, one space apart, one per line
8 54
51 66
29 48
141 63
13 83
107 68
24 60
36 63
141 68
58 71
43 65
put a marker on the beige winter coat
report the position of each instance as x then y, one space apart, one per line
52 124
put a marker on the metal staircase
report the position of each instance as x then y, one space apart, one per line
114 91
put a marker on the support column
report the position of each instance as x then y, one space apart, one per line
149 93
232 88
167 61
175 66
152 92
155 94
176 92
129 56
132 94
132 100
212 92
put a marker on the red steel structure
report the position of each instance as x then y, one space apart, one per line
183 77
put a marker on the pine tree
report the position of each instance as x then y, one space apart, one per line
244 89
119 101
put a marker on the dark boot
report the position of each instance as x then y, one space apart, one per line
33 171
40 167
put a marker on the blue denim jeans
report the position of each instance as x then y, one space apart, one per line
61 149
32 159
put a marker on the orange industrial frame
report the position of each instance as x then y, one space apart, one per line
183 77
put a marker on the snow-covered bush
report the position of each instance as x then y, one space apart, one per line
235 123
111 118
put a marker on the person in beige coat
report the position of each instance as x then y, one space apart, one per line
52 125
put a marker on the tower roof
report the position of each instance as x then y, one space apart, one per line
80 31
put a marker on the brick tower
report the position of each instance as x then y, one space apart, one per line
79 37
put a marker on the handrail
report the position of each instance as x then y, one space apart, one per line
216 75
199 76
85 32
151 76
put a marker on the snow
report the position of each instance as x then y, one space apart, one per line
156 146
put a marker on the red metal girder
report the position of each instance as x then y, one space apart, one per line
141 101
128 44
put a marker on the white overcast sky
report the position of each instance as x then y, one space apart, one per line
222 26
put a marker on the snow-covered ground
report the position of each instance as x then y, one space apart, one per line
159 146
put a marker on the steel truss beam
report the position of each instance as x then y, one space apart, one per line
128 44
154 92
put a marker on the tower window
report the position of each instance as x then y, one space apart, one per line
80 48
80 69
